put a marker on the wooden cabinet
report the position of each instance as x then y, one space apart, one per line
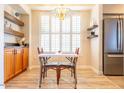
25 58
8 63
15 61
18 60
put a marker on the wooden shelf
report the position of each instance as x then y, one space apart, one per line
13 19
92 36
13 32
92 27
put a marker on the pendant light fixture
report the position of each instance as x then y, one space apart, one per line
61 12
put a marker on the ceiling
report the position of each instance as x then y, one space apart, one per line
53 6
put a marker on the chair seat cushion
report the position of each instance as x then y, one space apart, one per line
55 64
65 64
51 64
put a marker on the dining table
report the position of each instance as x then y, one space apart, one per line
70 56
52 54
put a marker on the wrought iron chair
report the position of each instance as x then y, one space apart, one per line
45 65
72 66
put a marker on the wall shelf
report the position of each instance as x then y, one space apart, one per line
13 19
92 27
10 31
92 36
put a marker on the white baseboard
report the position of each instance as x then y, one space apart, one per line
96 71
84 66
89 67
35 66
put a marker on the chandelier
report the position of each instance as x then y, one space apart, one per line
61 12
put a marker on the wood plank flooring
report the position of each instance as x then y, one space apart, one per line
87 79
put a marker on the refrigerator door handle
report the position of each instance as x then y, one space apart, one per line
113 55
121 41
117 33
120 35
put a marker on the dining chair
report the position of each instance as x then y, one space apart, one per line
70 59
45 65
72 66
40 50
77 51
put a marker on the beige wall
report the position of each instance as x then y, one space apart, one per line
113 8
34 40
25 8
96 43
1 46
84 59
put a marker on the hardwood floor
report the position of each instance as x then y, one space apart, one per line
87 79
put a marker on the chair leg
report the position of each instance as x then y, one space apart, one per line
46 72
75 77
71 72
58 72
40 77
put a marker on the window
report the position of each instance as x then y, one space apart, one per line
58 35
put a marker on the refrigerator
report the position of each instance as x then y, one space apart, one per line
113 42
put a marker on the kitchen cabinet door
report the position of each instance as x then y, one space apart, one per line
8 63
25 58
18 60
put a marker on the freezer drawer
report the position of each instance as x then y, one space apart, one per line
113 65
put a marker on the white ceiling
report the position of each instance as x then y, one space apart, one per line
53 6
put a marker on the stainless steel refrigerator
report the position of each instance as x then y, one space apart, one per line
113 36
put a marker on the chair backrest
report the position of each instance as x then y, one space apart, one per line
40 50
77 51
76 58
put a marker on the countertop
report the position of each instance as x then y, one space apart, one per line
14 45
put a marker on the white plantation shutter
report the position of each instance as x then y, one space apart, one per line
60 35
55 25
55 34
45 24
75 41
45 29
75 24
45 43
66 34
66 25
75 32
66 42
55 42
